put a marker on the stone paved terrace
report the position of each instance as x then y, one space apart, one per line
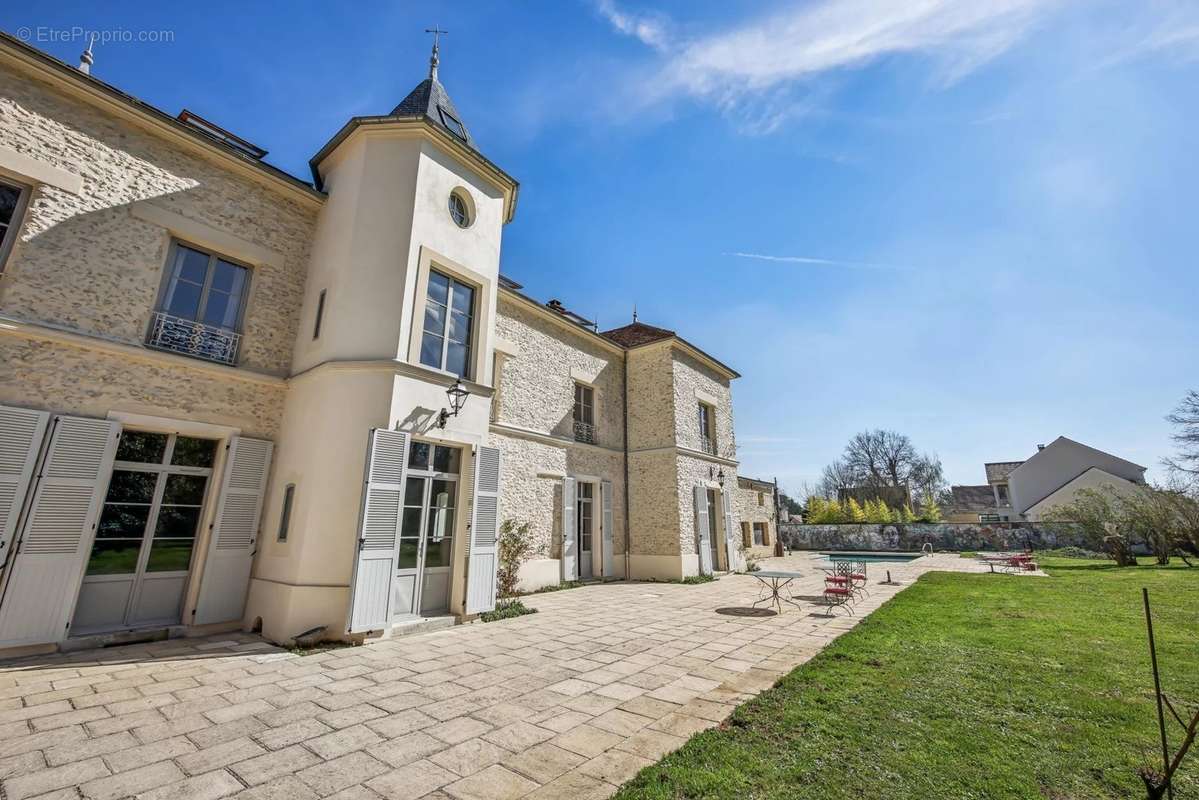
566 703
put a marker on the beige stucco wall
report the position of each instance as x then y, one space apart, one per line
92 263
651 398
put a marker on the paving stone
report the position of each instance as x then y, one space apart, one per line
354 715
174 727
587 740
140 756
56 721
519 736
682 725
470 756
614 766
207 737
125 722
543 762
209 786
346 740
458 730
412 781
287 787
238 711
296 732
493 783
340 773
219 755
356 792
133 782
14 766
407 749
267 767
48 780
40 741
623 723
401 723
89 748
652 744
649 707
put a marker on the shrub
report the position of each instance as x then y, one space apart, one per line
855 512
906 515
506 610
514 545
929 510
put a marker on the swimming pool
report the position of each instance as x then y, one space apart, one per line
898 558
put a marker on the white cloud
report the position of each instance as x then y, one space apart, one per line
823 262
651 31
775 53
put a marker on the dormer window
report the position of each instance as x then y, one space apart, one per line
452 123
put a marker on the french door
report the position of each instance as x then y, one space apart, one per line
142 554
586 528
423 564
712 541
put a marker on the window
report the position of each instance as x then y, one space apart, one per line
200 311
452 122
1003 495
459 209
320 313
761 499
759 534
289 496
12 208
449 312
706 437
584 414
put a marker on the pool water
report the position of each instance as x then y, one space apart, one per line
871 558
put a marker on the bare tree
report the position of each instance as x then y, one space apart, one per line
1185 419
881 458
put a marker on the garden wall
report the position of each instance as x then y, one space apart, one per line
953 536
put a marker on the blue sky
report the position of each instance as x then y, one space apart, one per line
973 222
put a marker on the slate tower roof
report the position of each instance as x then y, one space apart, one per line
430 100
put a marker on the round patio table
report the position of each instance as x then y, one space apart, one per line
775 581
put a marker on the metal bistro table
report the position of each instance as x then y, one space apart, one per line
776 581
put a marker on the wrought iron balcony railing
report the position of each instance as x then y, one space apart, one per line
191 338
584 432
707 444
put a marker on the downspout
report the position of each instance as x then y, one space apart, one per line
627 538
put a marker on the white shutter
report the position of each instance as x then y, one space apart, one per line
606 495
22 432
378 534
231 546
56 538
730 542
570 539
701 531
484 530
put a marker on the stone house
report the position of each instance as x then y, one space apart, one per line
232 397
756 506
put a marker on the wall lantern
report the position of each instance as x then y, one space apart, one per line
719 476
457 395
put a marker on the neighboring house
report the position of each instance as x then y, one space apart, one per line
756 505
233 397
1025 491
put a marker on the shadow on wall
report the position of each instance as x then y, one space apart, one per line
952 536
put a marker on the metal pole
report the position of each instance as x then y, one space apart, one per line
1157 690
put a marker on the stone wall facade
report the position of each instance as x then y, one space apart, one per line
66 379
538 384
752 503
949 536
91 263
692 382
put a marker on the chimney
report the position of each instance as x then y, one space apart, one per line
1040 447
556 305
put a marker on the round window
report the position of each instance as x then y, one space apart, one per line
459 210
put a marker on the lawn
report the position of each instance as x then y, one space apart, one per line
966 686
